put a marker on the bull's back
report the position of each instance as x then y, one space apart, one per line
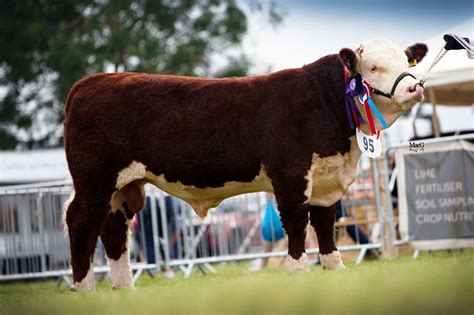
198 131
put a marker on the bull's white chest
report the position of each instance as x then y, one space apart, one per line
330 177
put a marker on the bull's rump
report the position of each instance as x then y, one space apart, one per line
201 132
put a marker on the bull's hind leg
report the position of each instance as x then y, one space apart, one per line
322 219
116 232
84 218
289 193
116 239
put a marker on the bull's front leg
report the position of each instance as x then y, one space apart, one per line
322 219
293 207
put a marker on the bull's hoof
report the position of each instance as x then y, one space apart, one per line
87 284
300 265
332 261
123 283
78 287
81 290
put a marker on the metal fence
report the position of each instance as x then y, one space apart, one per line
167 235
31 233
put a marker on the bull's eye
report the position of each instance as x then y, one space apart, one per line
373 69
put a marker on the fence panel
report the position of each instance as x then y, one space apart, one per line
167 234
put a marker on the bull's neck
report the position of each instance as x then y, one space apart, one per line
389 111
327 75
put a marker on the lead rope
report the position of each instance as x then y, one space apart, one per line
440 55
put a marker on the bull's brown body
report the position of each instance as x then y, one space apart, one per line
204 140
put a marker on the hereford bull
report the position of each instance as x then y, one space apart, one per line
204 140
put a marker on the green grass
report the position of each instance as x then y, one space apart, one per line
437 283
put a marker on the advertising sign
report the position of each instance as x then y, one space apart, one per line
436 194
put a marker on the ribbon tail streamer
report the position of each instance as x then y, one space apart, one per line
349 112
359 115
377 113
369 117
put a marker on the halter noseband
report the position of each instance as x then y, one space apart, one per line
395 84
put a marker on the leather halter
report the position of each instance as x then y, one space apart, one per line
395 84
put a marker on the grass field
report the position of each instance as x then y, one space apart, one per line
437 283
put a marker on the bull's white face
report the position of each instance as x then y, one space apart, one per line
380 63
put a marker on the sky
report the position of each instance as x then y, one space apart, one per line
312 29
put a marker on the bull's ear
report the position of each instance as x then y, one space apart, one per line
349 59
416 53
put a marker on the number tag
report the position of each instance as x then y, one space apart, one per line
369 145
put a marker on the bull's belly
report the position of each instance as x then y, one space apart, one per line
202 199
325 190
328 180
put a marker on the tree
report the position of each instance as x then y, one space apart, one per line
48 45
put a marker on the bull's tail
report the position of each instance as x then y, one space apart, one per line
66 205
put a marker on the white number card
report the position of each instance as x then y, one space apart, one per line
369 145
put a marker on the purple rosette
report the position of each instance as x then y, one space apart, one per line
353 88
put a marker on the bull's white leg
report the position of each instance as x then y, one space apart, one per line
332 261
294 265
87 284
83 219
322 219
120 269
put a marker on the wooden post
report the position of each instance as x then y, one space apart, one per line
435 120
390 251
